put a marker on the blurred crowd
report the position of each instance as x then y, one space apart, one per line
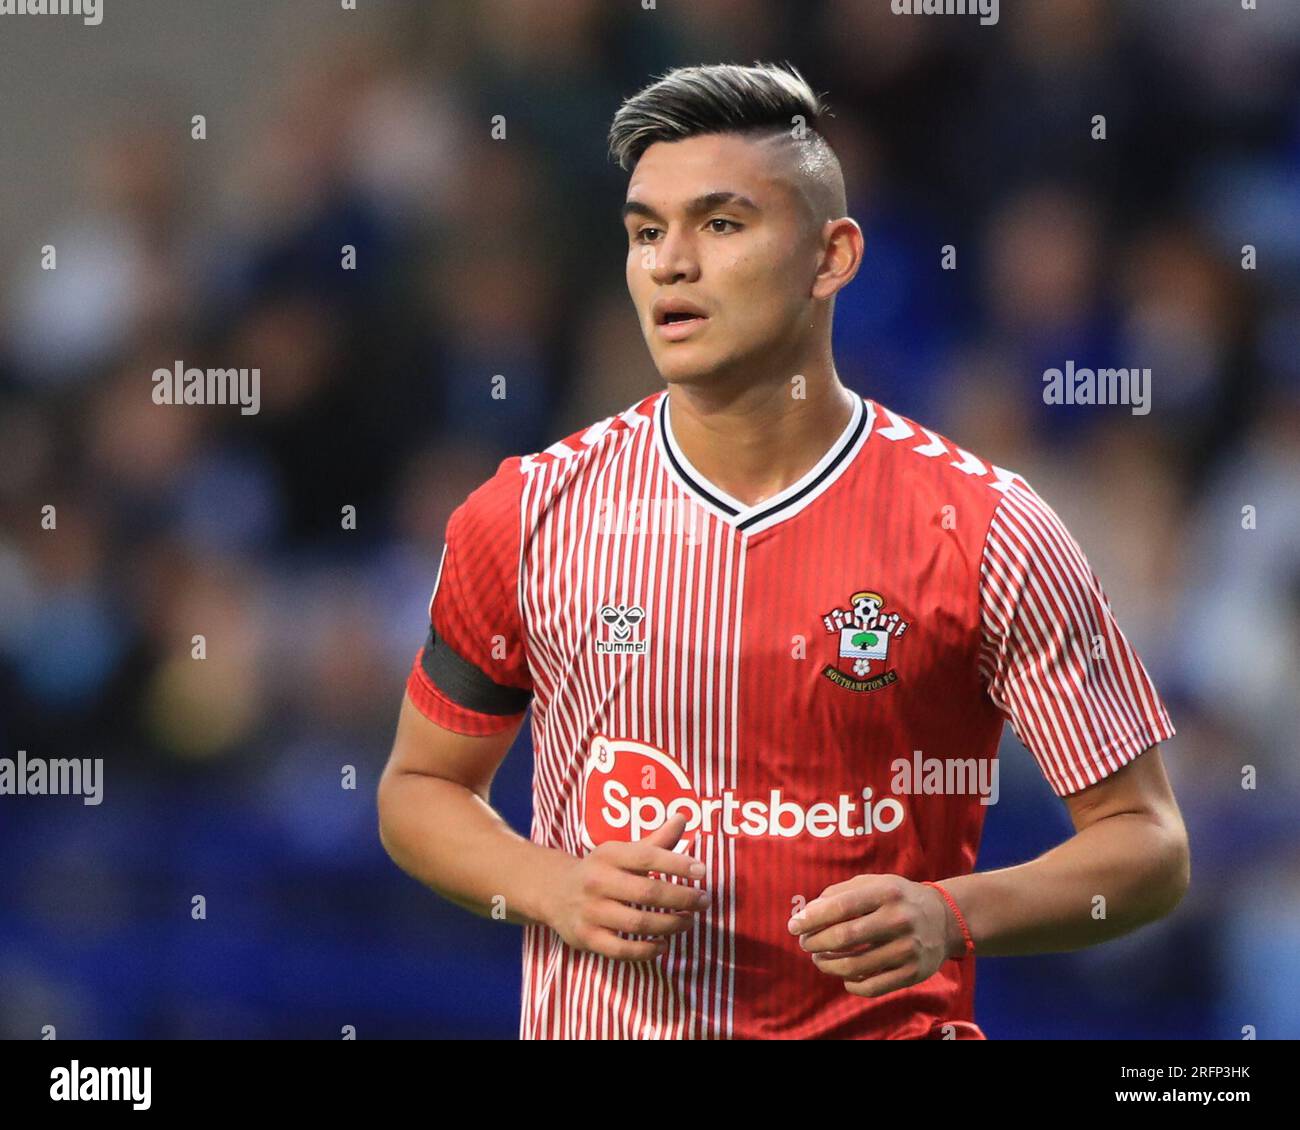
477 256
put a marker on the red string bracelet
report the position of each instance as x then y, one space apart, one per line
965 933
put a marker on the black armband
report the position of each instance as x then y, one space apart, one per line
465 684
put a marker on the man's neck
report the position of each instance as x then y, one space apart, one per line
757 442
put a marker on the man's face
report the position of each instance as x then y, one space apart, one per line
716 222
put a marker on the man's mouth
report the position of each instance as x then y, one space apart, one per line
677 326
674 325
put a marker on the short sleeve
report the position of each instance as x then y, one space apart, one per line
472 674
1052 655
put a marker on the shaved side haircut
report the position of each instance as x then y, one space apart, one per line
772 102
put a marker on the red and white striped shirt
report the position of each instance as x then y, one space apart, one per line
819 682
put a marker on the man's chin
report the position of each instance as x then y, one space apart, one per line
687 367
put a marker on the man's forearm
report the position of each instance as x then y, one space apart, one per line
454 842
1055 902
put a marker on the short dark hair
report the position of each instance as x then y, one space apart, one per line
717 98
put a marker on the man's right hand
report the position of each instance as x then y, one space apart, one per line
611 891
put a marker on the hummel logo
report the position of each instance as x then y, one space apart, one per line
621 620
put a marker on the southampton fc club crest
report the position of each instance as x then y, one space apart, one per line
865 632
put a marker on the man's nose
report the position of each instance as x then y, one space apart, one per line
674 258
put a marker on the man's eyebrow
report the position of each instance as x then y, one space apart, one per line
705 203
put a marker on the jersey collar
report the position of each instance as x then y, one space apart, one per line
786 504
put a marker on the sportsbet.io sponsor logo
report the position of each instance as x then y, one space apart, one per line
629 789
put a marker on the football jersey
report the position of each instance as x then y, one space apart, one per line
818 682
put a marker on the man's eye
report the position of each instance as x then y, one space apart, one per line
641 234
721 220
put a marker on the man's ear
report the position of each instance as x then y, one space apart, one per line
843 248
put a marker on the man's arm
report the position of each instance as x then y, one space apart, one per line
1129 849
1055 661
884 932
437 824
1060 667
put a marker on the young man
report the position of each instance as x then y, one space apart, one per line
770 632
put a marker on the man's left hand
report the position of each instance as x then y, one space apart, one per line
879 933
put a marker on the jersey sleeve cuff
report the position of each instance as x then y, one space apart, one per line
1122 750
